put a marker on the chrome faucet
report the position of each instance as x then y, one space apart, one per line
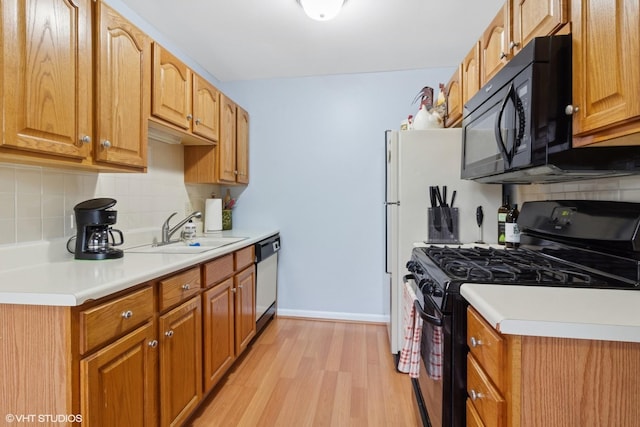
167 231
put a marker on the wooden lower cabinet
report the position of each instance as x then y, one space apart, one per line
245 320
219 339
142 357
180 362
229 323
551 382
118 383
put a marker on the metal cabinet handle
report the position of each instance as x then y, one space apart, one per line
234 290
85 139
186 287
189 117
513 45
475 395
169 333
235 172
475 342
239 286
153 343
503 55
127 314
106 143
197 121
571 109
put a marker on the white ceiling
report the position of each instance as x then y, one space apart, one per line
260 39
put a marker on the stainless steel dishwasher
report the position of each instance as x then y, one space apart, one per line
266 279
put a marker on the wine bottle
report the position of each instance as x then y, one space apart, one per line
511 230
502 217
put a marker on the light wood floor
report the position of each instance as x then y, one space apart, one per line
313 373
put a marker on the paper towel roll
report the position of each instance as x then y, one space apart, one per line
213 215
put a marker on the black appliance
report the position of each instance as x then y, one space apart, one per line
95 237
568 243
515 129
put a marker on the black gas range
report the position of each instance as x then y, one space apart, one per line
567 243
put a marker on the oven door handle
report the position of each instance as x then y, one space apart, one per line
433 320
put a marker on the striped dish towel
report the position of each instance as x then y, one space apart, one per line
434 362
409 361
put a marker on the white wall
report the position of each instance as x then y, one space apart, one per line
317 174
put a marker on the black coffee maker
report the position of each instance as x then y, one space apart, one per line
95 236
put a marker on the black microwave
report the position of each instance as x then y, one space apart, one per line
515 129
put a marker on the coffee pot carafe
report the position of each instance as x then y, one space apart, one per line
95 238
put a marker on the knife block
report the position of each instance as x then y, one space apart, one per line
441 228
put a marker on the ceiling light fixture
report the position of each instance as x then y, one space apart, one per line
322 10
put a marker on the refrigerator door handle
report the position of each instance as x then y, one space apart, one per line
392 203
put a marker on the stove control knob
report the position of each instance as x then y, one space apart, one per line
411 266
437 292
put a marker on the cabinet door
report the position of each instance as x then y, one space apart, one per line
245 283
118 383
494 43
219 347
605 85
180 362
471 73
227 144
46 70
123 64
536 18
171 86
206 109
454 99
242 146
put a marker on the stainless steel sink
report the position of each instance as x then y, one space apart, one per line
199 245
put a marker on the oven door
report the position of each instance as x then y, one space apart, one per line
429 386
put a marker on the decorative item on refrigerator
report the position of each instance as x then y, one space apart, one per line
213 215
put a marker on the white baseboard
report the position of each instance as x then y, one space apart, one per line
332 315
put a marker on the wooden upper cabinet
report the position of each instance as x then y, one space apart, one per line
242 146
226 149
494 44
123 69
206 109
184 100
471 73
606 81
536 18
454 90
46 69
171 98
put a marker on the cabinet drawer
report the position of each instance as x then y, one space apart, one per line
487 346
486 399
217 270
179 287
104 322
473 418
244 257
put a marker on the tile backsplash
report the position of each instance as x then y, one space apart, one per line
37 203
626 189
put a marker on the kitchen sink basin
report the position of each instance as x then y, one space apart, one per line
200 244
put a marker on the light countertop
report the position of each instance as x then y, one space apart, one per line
61 280
598 314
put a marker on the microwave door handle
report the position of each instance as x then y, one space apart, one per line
521 117
506 155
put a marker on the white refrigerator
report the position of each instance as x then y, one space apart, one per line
416 160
